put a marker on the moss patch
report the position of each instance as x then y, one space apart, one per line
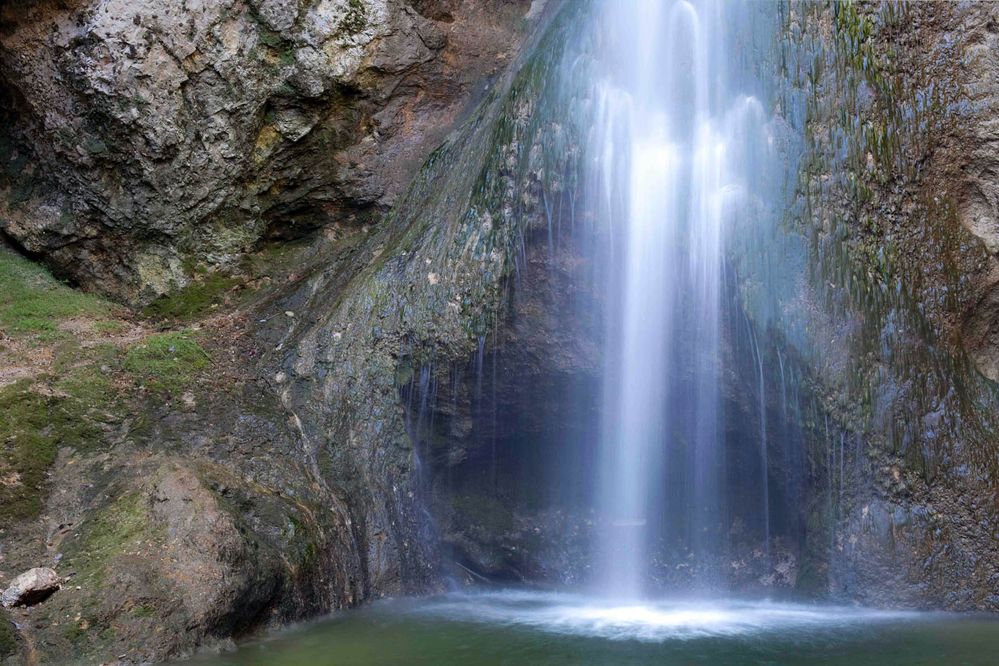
33 425
106 535
354 20
32 428
195 299
8 636
267 140
167 361
27 450
32 301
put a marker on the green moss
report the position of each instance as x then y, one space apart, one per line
108 534
74 633
32 301
34 425
167 361
194 300
301 535
354 20
8 636
89 400
269 38
109 326
27 449
143 611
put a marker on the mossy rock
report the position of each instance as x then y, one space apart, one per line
107 535
194 300
354 20
34 425
114 592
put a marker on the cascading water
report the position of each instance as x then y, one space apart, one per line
674 140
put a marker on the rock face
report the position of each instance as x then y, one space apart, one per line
31 587
143 139
901 305
413 299
283 483
351 421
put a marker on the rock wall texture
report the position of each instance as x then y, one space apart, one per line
269 475
894 195
143 140
253 170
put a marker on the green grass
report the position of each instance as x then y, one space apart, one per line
109 326
143 611
167 361
32 301
35 423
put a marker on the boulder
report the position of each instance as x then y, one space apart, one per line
31 587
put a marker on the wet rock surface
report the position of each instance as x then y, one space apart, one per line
902 477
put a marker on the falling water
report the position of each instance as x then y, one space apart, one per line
764 463
671 138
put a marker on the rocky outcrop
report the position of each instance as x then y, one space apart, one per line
32 586
194 522
895 212
419 293
269 476
146 140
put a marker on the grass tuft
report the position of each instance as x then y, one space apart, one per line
32 301
167 361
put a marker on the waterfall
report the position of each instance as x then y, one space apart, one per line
672 143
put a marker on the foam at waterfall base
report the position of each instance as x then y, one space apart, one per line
649 621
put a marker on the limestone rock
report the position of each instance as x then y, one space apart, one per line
31 587
144 138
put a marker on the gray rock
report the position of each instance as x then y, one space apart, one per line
164 135
31 587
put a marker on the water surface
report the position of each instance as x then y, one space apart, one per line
516 627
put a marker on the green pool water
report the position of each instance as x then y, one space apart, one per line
516 627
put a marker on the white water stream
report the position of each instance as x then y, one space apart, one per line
673 133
